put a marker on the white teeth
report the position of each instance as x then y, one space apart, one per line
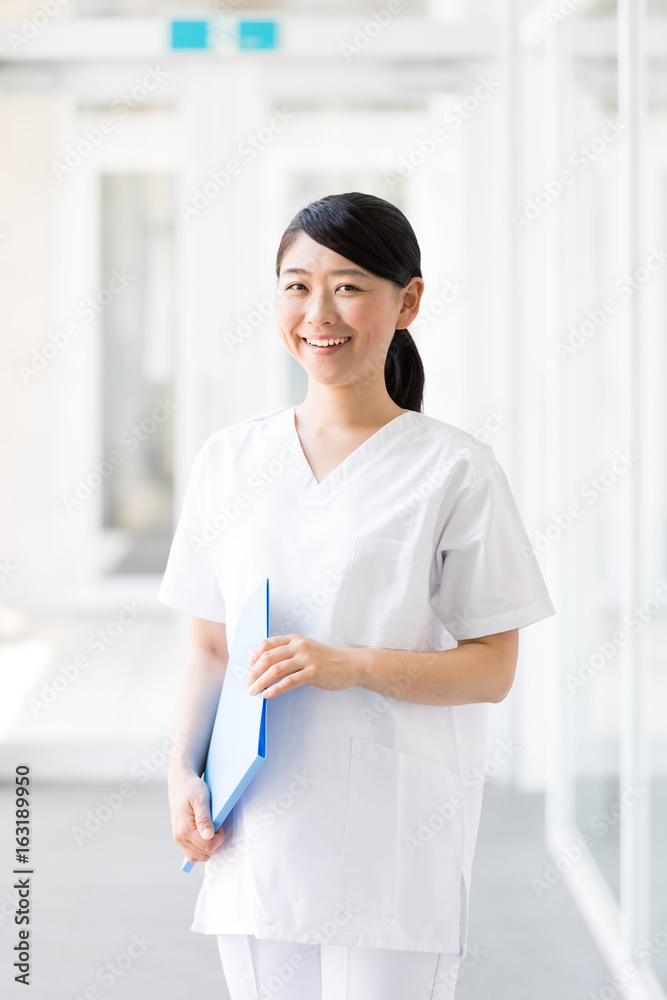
327 343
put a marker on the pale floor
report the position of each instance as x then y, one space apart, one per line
90 899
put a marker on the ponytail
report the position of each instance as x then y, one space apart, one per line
404 372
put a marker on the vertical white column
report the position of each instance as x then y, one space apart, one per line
217 251
526 773
634 831
561 436
513 107
77 416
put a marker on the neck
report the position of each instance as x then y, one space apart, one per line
347 407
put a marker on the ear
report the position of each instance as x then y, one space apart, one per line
410 298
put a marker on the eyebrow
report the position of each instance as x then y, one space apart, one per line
341 270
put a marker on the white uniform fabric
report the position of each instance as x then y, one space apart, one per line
359 828
257 969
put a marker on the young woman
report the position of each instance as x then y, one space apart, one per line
400 573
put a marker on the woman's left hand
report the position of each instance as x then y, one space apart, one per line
286 661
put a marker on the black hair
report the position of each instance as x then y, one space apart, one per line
375 235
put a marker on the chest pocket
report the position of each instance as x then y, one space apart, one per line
386 594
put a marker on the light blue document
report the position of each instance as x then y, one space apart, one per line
238 741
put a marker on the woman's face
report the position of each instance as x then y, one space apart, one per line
323 296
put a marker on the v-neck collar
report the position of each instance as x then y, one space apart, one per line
354 460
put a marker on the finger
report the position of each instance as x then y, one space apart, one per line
194 855
205 843
268 676
209 844
261 647
266 671
191 838
294 680
218 839
266 645
203 820
196 849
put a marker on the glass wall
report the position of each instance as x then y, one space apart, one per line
652 612
137 402
606 75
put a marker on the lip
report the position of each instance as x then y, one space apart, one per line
325 350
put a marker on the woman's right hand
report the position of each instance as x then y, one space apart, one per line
191 822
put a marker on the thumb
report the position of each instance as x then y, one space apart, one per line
203 821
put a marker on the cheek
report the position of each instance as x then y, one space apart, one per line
287 318
371 320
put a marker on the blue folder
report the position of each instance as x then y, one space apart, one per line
237 748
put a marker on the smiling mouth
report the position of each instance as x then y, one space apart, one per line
328 342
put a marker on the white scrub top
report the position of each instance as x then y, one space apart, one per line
360 826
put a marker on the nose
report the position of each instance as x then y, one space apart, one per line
321 309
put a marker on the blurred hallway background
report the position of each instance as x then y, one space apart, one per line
152 153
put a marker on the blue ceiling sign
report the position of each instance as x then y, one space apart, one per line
230 34
258 34
189 34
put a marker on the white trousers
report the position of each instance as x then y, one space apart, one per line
262 969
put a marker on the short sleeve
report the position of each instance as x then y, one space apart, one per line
489 577
190 583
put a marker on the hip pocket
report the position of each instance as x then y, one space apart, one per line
402 851
386 595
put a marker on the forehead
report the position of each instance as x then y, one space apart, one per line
306 255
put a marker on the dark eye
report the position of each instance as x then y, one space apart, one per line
294 283
353 287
